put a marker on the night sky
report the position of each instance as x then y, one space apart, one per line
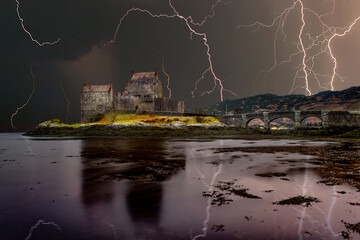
238 54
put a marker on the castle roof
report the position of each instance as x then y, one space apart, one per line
96 88
137 76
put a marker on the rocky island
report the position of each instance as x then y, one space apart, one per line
148 125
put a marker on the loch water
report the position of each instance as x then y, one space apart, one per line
165 188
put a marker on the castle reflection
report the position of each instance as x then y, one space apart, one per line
145 162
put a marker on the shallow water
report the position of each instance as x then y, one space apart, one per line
116 188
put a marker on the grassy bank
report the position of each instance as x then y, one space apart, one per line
153 120
134 125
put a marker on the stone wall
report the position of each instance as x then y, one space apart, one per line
149 104
93 103
169 105
134 103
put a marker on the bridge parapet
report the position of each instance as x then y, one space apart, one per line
343 118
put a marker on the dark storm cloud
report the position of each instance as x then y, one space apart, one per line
85 25
80 24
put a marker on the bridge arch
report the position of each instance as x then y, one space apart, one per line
276 115
291 124
316 121
281 116
252 119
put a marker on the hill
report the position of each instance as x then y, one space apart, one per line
348 99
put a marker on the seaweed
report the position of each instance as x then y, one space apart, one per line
352 227
271 174
298 200
243 193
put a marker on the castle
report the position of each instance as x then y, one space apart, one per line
143 92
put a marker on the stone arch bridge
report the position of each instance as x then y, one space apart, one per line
328 118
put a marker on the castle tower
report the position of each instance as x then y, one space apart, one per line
95 99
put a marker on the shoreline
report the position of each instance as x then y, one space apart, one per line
136 131
222 131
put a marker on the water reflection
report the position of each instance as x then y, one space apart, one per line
109 188
144 201
149 162
140 159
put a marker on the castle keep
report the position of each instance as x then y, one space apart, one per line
143 92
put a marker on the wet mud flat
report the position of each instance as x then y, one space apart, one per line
178 188
140 131
338 163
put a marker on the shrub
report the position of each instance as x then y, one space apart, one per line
199 119
56 121
97 117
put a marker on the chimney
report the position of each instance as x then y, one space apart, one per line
157 73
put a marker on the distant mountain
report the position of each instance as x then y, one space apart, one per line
348 99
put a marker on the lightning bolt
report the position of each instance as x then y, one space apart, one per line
67 100
27 101
217 171
309 46
305 187
303 212
198 81
168 78
41 222
331 208
201 23
327 217
190 24
210 186
347 30
28 32
304 66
